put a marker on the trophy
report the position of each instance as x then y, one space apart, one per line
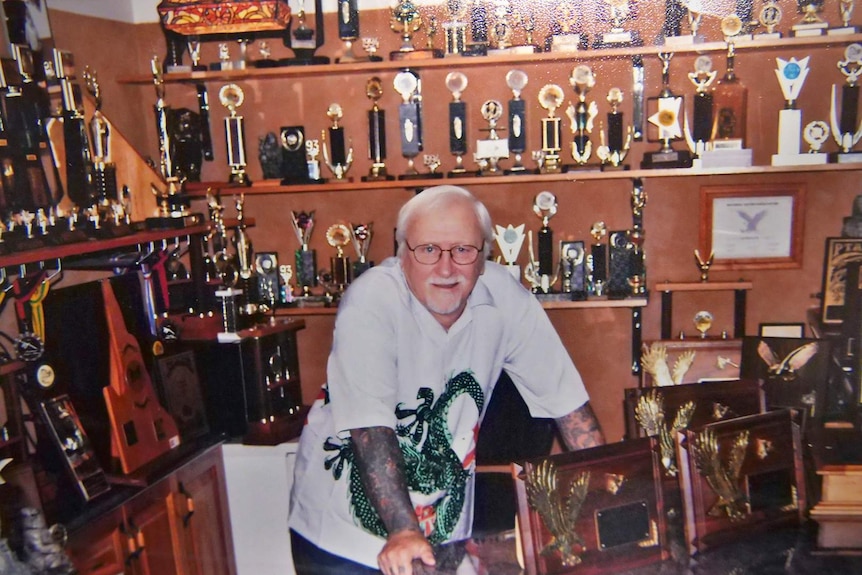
613 151
305 41
636 236
312 150
550 98
618 12
791 76
703 76
266 270
572 269
285 272
730 102
492 149
104 171
517 80
816 134
360 236
478 45
456 82
501 28
847 130
620 264
338 236
171 203
410 120
509 240
231 97
80 177
406 21
340 158
376 133
637 98
845 9
528 23
769 17
599 259
666 123
294 167
810 24
582 115
454 29
703 264
694 10
306 258
674 12
566 35
265 60
545 207
348 30
193 44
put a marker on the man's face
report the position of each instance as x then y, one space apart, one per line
443 287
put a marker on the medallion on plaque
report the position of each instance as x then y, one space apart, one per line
455 29
294 165
791 76
598 260
340 158
456 82
846 127
517 81
540 272
573 269
698 136
509 240
231 97
491 150
550 98
612 150
811 24
338 236
845 10
665 121
409 120
618 12
581 114
376 133
360 236
306 258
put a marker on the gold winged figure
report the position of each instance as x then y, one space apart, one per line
654 362
722 478
650 415
558 513
794 361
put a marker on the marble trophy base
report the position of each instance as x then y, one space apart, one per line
421 176
683 41
618 39
789 129
727 158
842 31
811 159
553 296
566 42
423 54
522 49
666 159
808 30
845 157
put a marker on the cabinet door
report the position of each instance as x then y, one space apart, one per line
148 524
99 548
200 515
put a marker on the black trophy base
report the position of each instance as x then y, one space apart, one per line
239 179
200 68
419 176
845 157
582 168
669 159
518 171
475 49
309 61
361 267
301 181
265 63
622 39
109 231
173 222
71 236
458 173
552 296
617 168
23 244
378 178
424 54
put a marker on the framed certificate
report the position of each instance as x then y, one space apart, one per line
752 227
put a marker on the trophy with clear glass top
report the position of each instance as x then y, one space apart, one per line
550 98
409 120
517 112
456 82
845 125
340 158
582 114
541 273
791 76
699 135
376 133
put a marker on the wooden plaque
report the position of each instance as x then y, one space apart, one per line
713 359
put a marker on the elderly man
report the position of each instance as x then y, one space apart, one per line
385 463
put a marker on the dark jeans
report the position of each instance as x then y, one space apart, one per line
309 559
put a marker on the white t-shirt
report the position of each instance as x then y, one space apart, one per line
392 364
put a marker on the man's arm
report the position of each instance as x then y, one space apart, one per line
580 429
381 467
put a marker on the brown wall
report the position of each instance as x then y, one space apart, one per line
598 339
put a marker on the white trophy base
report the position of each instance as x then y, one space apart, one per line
565 43
492 149
807 30
814 159
739 38
512 50
789 132
228 337
848 158
617 37
723 159
843 31
681 41
767 36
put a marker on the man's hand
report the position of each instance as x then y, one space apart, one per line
401 549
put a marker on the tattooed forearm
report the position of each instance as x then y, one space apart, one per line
381 468
580 429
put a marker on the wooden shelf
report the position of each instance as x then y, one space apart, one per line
462 62
703 286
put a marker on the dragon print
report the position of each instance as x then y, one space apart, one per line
431 465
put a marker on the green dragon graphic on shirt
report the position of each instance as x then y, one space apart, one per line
431 465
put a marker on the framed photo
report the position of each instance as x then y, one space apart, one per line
781 330
839 252
752 227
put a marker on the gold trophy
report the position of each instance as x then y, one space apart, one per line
845 10
340 158
231 97
492 149
581 115
376 133
703 264
550 98
406 21
338 236
811 24
702 322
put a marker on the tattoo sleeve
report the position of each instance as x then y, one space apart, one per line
381 467
580 429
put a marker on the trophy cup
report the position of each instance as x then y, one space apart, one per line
376 133
501 28
285 272
810 24
305 41
340 158
791 76
666 122
599 258
406 21
618 12
572 269
456 82
306 258
492 149
848 130
455 30
566 35
517 80
231 97
509 240
613 152
845 9
542 270
702 78
338 236
550 98
410 120
360 235
582 115
294 166
769 17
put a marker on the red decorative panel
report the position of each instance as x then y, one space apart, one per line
190 17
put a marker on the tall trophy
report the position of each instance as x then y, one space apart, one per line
360 236
409 120
340 158
406 21
501 28
490 150
573 269
692 10
80 184
599 259
665 120
581 115
791 76
294 166
509 240
104 171
618 12
348 31
305 41
769 17
455 29
231 97
566 33
456 82
540 273
168 199
811 24
730 103
699 135
613 149
376 133
846 128
306 258
845 10
312 150
338 236
550 98
517 112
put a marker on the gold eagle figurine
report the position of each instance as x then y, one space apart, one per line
559 514
794 361
650 415
654 362
722 478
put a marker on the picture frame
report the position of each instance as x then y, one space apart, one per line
839 252
781 329
757 226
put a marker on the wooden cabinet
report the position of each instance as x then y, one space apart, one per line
180 525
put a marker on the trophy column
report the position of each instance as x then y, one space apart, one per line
376 133
338 236
517 81
699 136
598 259
581 115
409 116
791 76
306 258
550 98
541 273
456 82
613 152
509 240
231 97
846 129
666 123
340 158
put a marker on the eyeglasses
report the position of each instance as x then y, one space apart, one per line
430 254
